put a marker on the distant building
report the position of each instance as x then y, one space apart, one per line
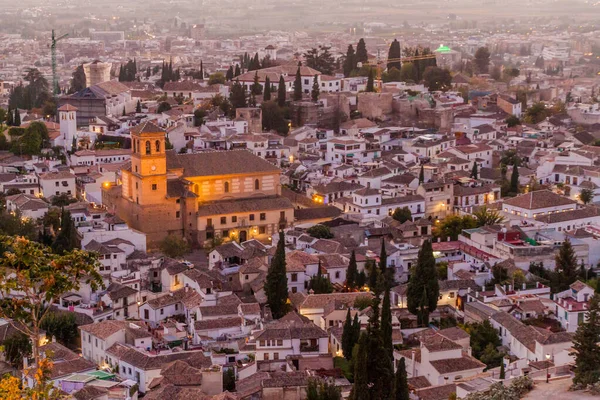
96 72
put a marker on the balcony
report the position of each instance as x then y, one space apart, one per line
309 348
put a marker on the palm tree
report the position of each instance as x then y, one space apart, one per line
486 216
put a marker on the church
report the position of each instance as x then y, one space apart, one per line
200 196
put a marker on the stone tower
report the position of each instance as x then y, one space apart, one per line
148 178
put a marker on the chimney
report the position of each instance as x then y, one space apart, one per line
524 286
171 294
570 307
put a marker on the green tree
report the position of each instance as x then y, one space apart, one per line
392 75
386 324
267 91
229 74
512 121
15 348
138 107
174 246
316 91
422 174
402 214
482 60
348 337
237 96
453 225
17 119
486 216
423 282
237 71
482 334
199 115
62 200
352 272
61 326
281 92
566 266
407 72
474 171
585 346
380 368
349 61
371 81
401 382
360 389
362 55
229 379
67 239
273 118
586 196
42 277
320 59
256 87
514 180
536 113
162 107
436 78
78 80
394 54
276 283
216 78
502 371
319 283
320 232
10 121
298 86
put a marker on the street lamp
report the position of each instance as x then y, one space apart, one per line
547 367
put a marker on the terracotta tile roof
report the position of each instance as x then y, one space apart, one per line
219 323
437 342
321 300
218 163
450 365
454 333
442 392
539 199
185 296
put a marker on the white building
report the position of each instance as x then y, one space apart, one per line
572 305
57 183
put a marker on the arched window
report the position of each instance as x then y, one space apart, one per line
157 146
256 184
226 187
138 145
196 189
147 147
135 146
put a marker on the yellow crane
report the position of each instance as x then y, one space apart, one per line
379 62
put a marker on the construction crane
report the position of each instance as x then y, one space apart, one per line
55 88
379 62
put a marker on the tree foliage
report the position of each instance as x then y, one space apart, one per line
174 246
436 78
486 216
423 286
67 238
394 53
78 79
320 232
585 346
274 118
453 225
320 59
62 327
586 196
298 86
319 283
349 62
352 272
482 60
401 382
481 335
276 283
402 214
566 266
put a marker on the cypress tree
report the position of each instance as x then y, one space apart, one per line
474 172
267 89
514 179
386 324
422 174
371 81
237 70
229 74
355 331
401 384
360 389
380 367
138 107
383 265
566 267
276 283
352 272
349 62
394 54
281 92
361 51
10 120
316 91
348 337
256 86
298 86
423 286
502 372
17 120
148 72
67 239
585 344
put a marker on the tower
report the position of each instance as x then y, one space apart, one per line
67 116
148 179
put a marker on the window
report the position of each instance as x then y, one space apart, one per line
251 217
263 216
147 147
225 233
157 146
162 311
262 343
279 342
275 356
234 218
266 357
294 277
209 222
154 186
337 275
262 230
256 184
294 289
223 220
177 214
226 187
